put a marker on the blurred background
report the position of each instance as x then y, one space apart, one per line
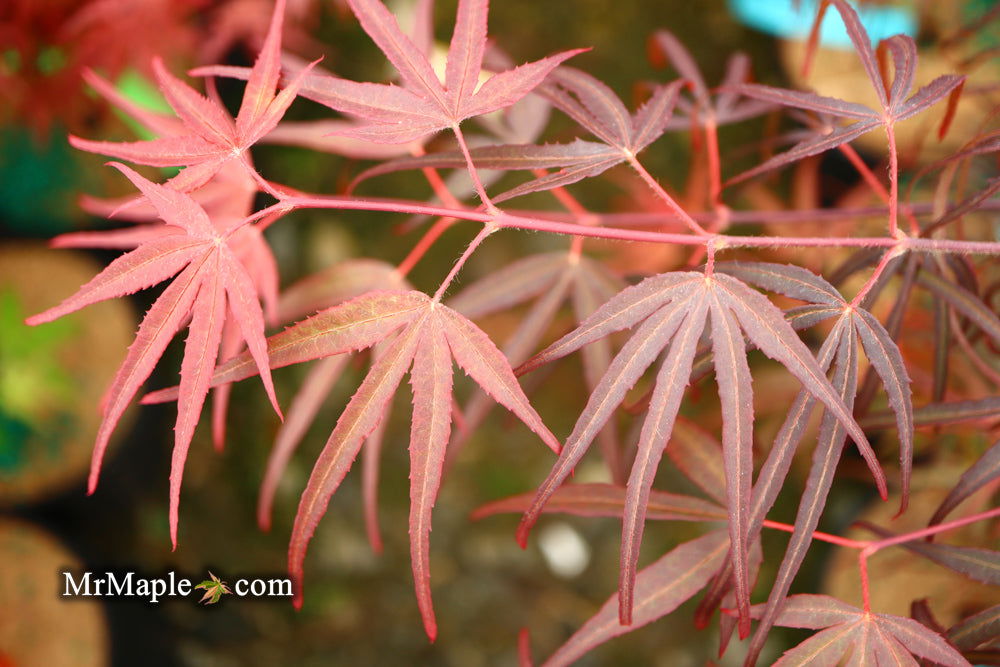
359 607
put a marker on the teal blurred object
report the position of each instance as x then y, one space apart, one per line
39 183
791 20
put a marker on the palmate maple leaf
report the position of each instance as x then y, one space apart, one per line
423 105
706 106
551 280
594 107
211 280
212 139
421 336
227 198
665 584
674 310
214 588
865 637
855 327
334 285
895 101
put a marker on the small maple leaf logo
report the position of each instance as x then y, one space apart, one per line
215 588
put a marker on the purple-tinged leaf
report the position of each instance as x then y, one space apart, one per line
606 500
829 448
788 279
503 157
964 302
828 646
209 139
401 132
591 103
985 470
805 317
211 277
977 629
174 208
920 611
671 382
810 101
979 564
431 379
888 652
683 63
779 458
942 349
423 106
886 359
593 286
953 412
660 589
732 373
362 414
811 146
650 121
929 95
728 623
626 368
823 649
904 57
630 306
863 46
812 612
920 641
586 168
862 651
422 26
967 205
165 152
371 101
767 328
728 105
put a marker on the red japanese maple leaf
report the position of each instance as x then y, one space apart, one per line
211 138
424 337
867 638
894 103
671 312
211 280
594 107
423 104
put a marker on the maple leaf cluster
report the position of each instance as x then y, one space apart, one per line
200 230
